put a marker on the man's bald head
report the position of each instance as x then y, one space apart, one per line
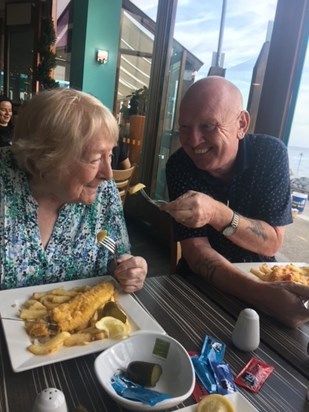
215 91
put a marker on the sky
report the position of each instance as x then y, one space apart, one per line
246 25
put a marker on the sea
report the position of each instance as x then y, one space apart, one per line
299 161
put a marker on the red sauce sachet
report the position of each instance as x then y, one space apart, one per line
253 375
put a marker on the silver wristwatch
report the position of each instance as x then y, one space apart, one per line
231 228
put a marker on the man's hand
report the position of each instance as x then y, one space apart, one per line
281 300
195 210
192 209
286 301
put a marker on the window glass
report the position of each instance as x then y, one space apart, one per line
298 146
136 44
228 38
149 7
20 63
133 78
63 43
242 33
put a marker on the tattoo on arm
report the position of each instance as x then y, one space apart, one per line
257 228
207 268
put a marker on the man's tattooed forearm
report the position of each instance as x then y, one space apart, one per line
257 228
207 268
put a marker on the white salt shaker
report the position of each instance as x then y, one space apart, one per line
50 400
246 333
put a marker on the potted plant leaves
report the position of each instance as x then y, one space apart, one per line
138 102
137 110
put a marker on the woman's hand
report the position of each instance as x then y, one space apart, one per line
131 272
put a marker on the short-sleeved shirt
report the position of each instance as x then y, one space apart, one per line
260 189
6 134
72 251
120 153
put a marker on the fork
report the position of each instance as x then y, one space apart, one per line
157 203
106 241
110 245
53 327
139 188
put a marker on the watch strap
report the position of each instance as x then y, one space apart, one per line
231 228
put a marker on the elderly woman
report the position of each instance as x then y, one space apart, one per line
57 193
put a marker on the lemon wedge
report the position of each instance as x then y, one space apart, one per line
114 328
215 403
101 235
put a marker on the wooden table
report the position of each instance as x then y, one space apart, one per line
186 313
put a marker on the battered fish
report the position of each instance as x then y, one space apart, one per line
79 310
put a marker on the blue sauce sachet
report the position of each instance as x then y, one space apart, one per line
212 351
135 392
223 377
204 373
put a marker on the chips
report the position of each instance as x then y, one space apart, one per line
45 333
279 273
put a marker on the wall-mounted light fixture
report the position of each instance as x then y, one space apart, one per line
101 56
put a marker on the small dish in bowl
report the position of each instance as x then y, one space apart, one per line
177 379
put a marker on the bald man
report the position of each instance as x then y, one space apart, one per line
230 198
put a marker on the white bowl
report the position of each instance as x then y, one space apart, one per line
177 379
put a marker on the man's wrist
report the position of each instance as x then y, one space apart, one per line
231 228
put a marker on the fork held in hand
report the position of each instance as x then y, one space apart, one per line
110 245
157 203
106 241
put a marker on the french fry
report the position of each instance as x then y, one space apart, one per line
264 268
51 301
39 295
32 314
53 345
33 304
78 339
258 273
100 335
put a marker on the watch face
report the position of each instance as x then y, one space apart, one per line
228 231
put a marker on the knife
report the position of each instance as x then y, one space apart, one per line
28 320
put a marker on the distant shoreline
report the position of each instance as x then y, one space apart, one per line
298 161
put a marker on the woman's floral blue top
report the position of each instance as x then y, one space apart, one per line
72 251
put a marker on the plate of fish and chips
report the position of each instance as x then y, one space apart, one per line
297 272
78 296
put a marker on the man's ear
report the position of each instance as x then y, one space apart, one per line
244 123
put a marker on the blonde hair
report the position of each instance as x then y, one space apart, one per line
54 127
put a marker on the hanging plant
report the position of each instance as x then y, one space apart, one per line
47 56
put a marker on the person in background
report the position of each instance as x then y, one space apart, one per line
120 159
57 193
6 125
230 199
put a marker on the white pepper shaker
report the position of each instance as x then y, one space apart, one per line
50 400
246 333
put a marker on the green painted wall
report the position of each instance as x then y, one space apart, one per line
96 25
